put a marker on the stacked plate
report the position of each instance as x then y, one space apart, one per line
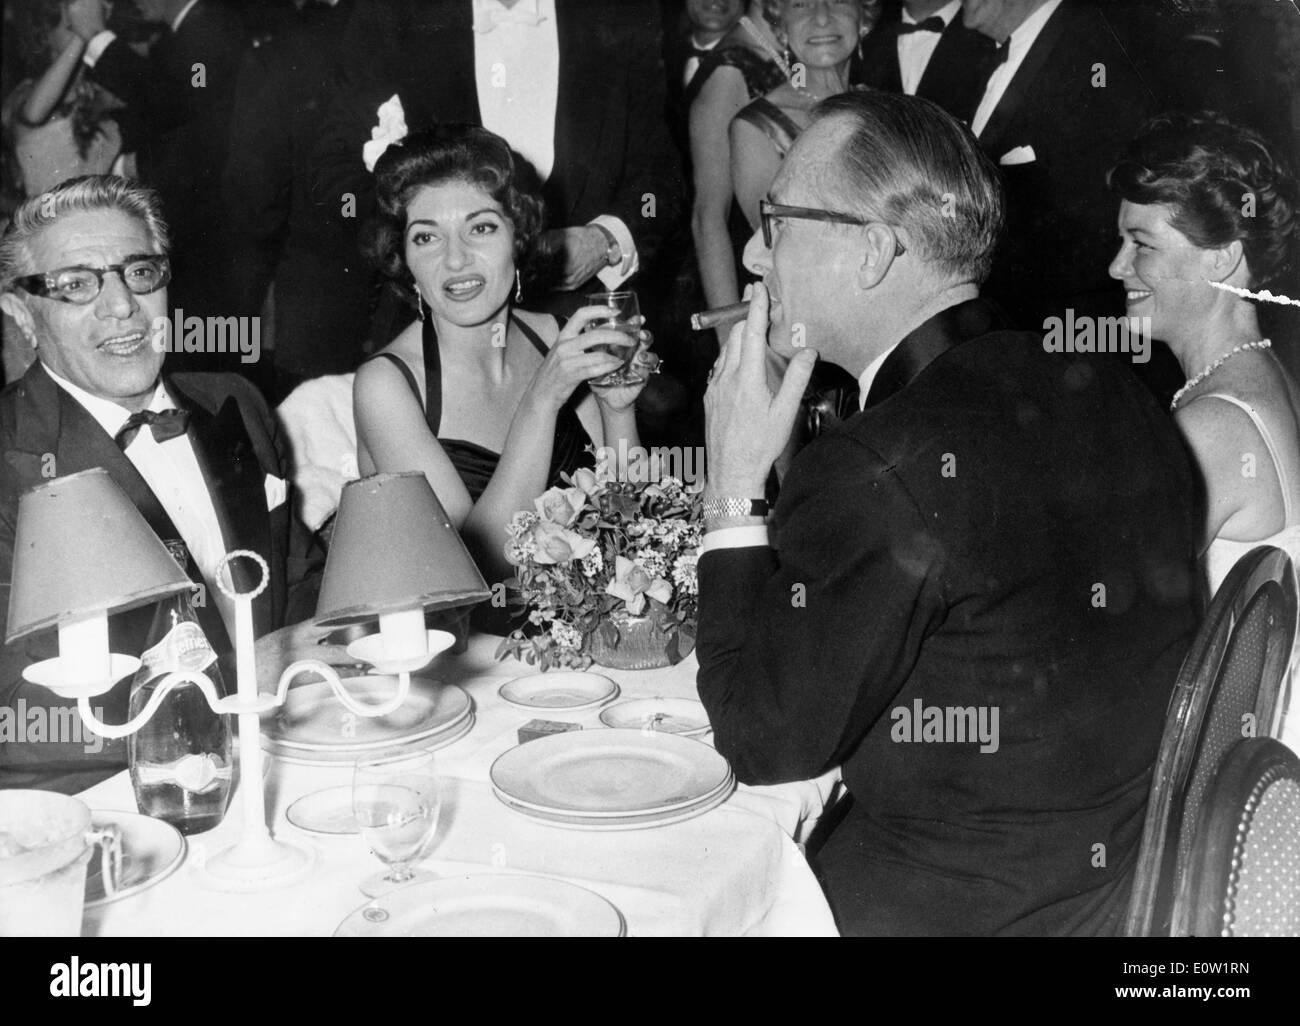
314 727
612 779
486 906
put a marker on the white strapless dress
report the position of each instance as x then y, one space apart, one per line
1223 553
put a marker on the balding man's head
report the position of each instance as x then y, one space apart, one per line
904 161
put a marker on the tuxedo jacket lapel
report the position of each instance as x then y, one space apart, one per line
579 109
236 482
1023 85
439 51
925 344
956 74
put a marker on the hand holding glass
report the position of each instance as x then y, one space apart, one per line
625 317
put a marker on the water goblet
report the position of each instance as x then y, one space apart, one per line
396 798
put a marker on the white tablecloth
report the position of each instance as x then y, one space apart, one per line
734 870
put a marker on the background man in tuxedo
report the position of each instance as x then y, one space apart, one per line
1060 104
575 86
211 472
178 121
924 48
994 518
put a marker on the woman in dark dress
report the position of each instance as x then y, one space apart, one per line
489 401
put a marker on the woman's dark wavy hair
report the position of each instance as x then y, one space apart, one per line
1208 169
449 153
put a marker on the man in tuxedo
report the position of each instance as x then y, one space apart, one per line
1062 101
575 86
702 26
177 120
925 49
980 587
198 454
322 294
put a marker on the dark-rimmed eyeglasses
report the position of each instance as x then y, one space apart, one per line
767 211
141 274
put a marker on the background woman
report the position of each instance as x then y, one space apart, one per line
488 400
746 64
1206 202
821 38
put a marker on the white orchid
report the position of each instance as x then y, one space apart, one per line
391 129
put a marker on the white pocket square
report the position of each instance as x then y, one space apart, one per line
276 492
1020 155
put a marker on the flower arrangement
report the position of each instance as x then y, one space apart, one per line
597 553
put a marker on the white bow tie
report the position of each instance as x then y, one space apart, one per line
487 19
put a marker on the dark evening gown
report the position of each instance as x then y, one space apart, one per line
476 464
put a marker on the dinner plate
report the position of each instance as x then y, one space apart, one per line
683 716
312 718
559 691
347 756
609 773
488 905
325 812
607 823
151 851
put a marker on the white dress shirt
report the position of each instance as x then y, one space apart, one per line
171 470
517 76
1020 42
916 48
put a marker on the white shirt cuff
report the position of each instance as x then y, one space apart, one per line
749 536
99 42
614 276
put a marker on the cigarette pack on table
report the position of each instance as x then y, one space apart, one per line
534 729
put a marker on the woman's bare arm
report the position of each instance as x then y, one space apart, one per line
48 90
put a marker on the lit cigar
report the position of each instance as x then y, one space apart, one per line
723 315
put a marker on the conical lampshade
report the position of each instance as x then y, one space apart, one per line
394 549
82 548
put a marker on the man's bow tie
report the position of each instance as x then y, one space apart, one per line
165 425
486 20
931 24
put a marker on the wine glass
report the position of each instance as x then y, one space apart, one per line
396 798
624 316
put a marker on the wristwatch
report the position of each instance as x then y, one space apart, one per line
717 509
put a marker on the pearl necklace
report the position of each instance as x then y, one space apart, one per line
767 47
1263 343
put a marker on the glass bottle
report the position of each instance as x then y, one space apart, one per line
181 759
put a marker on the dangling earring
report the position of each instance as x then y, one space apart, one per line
519 287
419 302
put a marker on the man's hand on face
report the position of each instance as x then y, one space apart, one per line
747 421
586 251
277 650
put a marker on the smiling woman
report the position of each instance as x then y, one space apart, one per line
489 401
1206 202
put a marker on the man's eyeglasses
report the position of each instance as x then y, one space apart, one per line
80 285
768 211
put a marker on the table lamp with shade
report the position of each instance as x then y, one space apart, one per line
83 551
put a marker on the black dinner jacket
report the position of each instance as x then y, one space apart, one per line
945 546
237 443
179 127
612 147
956 73
1061 218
